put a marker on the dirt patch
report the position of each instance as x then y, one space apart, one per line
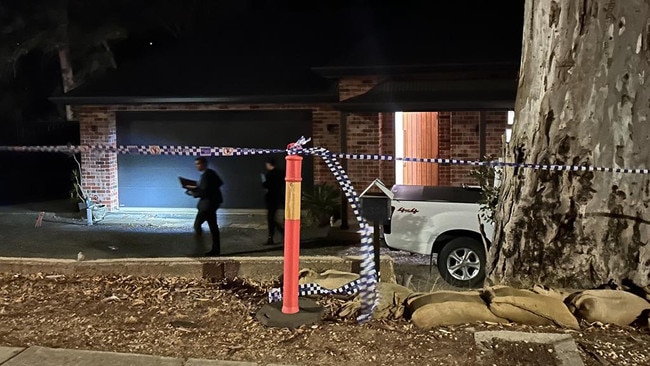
194 318
520 354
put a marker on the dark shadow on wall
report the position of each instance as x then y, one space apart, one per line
37 176
33 177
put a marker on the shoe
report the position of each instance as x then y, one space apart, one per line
213 253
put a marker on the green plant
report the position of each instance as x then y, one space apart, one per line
321 203
485 175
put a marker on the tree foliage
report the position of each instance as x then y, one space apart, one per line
78 40
48 26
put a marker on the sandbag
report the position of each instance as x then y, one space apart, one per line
389 290
443 308
547 291
607 306
330 279
527 307
389 306
391 300
417 300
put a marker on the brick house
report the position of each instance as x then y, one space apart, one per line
269 96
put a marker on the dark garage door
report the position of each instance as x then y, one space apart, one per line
152 181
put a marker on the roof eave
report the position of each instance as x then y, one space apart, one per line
422 106
334 72
253 99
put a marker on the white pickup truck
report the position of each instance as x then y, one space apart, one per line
442 222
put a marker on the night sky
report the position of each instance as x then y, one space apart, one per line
205 35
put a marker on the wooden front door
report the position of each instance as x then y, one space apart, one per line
420 141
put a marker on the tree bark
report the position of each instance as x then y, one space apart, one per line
67 74
583 99
63 52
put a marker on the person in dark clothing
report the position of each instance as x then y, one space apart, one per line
208 192
274 197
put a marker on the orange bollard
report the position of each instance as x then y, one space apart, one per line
293 183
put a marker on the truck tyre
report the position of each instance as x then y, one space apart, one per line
461 262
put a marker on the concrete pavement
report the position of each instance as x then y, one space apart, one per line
42 356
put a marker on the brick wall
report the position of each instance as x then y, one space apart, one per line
464 144
387 147
363 138
98 127
497 122
349 88
368 133
462 139
444 147
326 131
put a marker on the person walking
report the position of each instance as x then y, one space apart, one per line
274 184
210 198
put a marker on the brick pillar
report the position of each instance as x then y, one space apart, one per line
464 144
99 169
363 138
497 122
326 130
444 147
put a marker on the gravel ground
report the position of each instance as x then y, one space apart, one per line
195 318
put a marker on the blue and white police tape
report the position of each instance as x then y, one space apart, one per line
493 163
368 273
239 151
310 289
174 150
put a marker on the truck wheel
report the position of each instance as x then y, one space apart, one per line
461 262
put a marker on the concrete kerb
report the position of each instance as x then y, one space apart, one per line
262 269
54 357
7 353
45 356
566 351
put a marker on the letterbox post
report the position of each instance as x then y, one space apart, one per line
377 209
376 244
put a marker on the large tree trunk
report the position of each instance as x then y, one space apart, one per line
583 99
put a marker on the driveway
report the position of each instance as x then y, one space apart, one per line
151 233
